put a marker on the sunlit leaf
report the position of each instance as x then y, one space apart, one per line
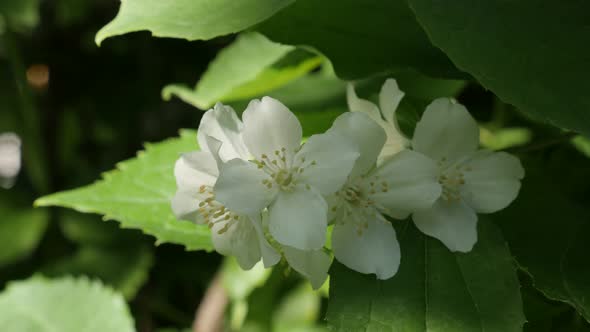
138 194
242 70
189 19
64 305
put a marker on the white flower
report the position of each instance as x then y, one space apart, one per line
312 264
473 181
222 124
362 238
284 176
10 159
389 99
196 173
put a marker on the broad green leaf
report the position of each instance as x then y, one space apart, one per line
272 78
360 38
21 227
241 71
138 194
64 305
312 93
532 54
318 122
416 85
548 235
189 19
434 289
540 312
124 269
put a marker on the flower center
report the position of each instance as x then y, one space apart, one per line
214 212
354 207
281 171
451 178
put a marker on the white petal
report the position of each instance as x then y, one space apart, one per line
454 224
222 123
240 240
194 169
492 182
240 187
356 104
270 256
373 250
185 206
312 264
363 132
215 149
328 160
389 99
336 207
405 183
446 130
269 126
299 218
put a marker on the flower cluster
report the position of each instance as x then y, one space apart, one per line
267 196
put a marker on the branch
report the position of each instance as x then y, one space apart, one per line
209 315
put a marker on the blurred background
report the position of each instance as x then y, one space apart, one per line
70 110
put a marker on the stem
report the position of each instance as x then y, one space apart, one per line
30 125
209 315
542 144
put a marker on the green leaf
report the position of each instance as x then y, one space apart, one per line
64 305
125 269
532 54
416 85
318 122
189 19
21 228
312 93
360 38
138 194
241 71
548 235
272 78
434 289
